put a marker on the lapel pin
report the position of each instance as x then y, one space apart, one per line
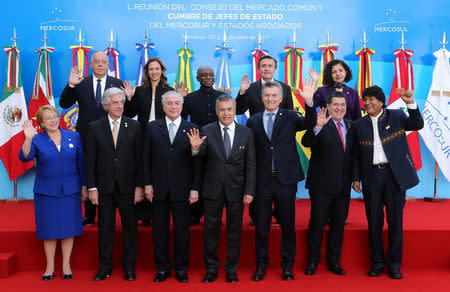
388 127
242 147
184 131
69 139
126 125
70 145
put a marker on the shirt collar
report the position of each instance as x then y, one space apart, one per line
177 121
336 122
102 79
262 81
275 112
231 127
111 121
374 119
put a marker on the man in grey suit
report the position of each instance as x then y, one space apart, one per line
229 180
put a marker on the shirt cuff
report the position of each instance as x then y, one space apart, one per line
412 106
195 152
316 130
310 104
92 189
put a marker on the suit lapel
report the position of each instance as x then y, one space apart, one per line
181 131
333 129
237 138
108 131
260 124
218 134
258 93
164 131
122 131
279 120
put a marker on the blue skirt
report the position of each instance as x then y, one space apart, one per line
58 217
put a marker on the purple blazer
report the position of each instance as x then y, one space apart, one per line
353 107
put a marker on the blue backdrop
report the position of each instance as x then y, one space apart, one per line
423 23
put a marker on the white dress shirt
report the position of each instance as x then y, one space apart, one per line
112 125
231 131
102 83
152 116
378 152
176 125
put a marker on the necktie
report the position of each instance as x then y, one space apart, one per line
340 134
226 141
171 132
98 93
270 125
115 132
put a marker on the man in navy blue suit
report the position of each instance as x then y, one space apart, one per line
386 169
278 170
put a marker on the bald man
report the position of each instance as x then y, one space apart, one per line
88 92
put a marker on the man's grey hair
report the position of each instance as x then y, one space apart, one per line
271 84
171 92
106 97
224 97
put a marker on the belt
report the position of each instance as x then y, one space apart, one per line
381 165
273 173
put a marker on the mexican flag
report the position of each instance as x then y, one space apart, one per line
42 89
13 111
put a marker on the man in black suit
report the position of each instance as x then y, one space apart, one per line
200 107
329 180
172 178
229 180
88 93
278 170
386 168
249 98
114 180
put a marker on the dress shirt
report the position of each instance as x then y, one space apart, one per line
152 116
102 83
262 81
378 152
266 118
231 131
112 125
176 125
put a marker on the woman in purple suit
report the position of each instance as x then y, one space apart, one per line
335 75
59 186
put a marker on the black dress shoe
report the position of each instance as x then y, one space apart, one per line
102 275
48 277
310 269
68 276
336 269
232 278
182 276
88 221
288 275
130 276
161 276
210 277
375 272
259 274
395 274
147 222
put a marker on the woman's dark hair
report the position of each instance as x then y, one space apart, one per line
376 92
328 80
162 80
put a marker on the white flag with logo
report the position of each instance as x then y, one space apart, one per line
436 113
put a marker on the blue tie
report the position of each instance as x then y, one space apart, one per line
270 125
98 93
226 142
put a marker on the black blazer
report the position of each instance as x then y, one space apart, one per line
252 101
170 168
83 93
234 176
106 164
330 168
282 147
141 103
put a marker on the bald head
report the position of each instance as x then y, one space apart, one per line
205 75
99 64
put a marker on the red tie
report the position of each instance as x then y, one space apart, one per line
340 134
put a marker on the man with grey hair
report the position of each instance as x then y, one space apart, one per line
88 92
229 180
114 180
172 178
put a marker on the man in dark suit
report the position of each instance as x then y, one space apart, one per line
114 180
229 180
172 178
278 170
249 98
329 180
200 107
386 169
88 93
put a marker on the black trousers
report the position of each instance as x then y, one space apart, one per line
324 206
213 221
106 229
384 190
283 196
144 210
161 228
90 210
196 209
252 207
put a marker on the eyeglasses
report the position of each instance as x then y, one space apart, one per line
51 118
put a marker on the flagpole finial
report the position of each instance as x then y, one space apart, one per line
111 39
294 39
45 38
327 40
444 42
259 41
14 38
185 39
224 37
403 42
365 40
80 40
146 36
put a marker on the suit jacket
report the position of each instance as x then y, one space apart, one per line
84 94
252 101
353 106
282 147
234 176
105 164
56 170
141 104
330 167
170 167
392 125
